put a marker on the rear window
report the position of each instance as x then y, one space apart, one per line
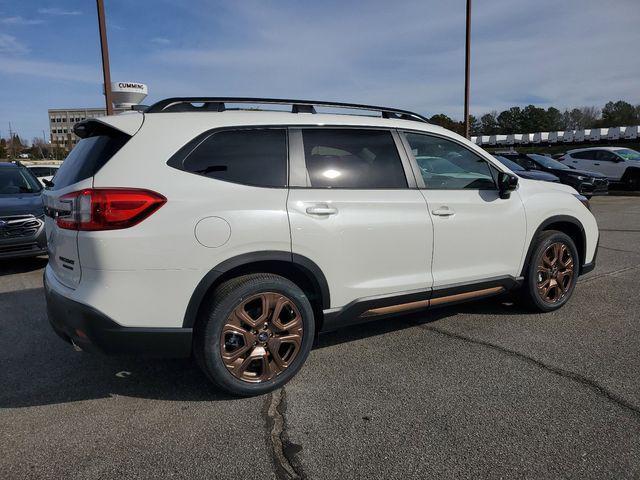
89 156
256 157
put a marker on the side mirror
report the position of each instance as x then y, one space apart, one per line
507 183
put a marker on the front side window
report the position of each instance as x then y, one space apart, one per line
446 165
628 154
352 158
256 157
606 156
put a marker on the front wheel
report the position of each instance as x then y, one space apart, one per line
256 334
552 272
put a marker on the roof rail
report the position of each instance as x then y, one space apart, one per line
217 104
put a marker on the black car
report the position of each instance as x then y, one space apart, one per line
524 173
585 182
21 213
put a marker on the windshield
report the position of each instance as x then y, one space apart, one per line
547 162
17 180
510 164
628 154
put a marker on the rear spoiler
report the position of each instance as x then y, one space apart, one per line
129 124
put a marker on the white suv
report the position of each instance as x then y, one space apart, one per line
619 164
237 235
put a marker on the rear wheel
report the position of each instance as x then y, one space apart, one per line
256 334
552 272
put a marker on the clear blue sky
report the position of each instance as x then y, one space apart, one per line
403 53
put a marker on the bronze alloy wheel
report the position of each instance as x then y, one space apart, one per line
555 272
261 337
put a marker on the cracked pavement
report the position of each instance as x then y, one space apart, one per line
480 390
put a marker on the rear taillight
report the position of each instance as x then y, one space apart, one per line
107 208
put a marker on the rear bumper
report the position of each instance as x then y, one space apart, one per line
93 331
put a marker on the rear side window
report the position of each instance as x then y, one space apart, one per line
586 155
352 158
89 156
256 157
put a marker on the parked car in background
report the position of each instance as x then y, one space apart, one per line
618 164
524 173
44 172
22 232
240 234
585 182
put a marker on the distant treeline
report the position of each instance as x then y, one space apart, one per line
531 119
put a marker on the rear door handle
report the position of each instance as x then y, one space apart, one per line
443 212
322 209
596 164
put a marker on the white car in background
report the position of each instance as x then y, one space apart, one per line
239 234
619 164
44 172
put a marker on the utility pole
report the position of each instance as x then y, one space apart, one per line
467 62
10 141
44 139
105 56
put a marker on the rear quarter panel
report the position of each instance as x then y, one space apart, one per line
146 274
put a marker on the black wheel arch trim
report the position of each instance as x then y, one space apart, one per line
550 221
232 263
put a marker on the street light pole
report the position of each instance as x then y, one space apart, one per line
105 56
467 61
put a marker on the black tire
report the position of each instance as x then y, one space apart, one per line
631 178
529 293
226 298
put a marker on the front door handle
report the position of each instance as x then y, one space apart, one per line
322 209
596 164
443 212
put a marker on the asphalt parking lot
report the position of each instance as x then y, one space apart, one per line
482 390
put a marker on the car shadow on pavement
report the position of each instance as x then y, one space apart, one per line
39 368
502 305
22 265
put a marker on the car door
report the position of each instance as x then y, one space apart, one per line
355 211
609 164
576 159
477 235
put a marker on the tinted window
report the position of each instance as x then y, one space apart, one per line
352 158
15 180
547 162
511 165
586 155
87 157
605 156
42 171
252 157
446 165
